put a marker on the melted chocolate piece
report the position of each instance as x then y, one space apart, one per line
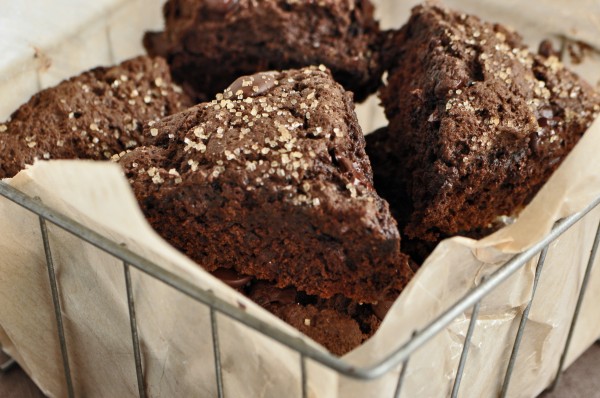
284 296
579 50
382 308
232 278
221 6
264 294
546 49
250 86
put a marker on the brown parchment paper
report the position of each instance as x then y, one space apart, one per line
175 331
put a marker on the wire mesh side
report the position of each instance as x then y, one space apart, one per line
392 361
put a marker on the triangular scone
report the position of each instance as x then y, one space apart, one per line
271 179
477 121
94 115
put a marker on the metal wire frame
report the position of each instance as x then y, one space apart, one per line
399 356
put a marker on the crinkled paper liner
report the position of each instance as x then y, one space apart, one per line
175 331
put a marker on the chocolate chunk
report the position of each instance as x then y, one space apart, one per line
251 86
546 50
266 294
232 278
382 308
221 6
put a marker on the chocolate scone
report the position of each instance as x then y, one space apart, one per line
209 43
478 123
95 115
271 179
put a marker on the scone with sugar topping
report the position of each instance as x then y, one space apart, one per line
209 43
95 115
478 123
271 179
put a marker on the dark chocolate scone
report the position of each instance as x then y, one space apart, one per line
209 43
271 179
95 115
478 123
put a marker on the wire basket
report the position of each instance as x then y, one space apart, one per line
399 357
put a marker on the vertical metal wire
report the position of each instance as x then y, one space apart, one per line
584 284
403 373
57 311
523 322
217 351
465 351
401 378
303 375
134 332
